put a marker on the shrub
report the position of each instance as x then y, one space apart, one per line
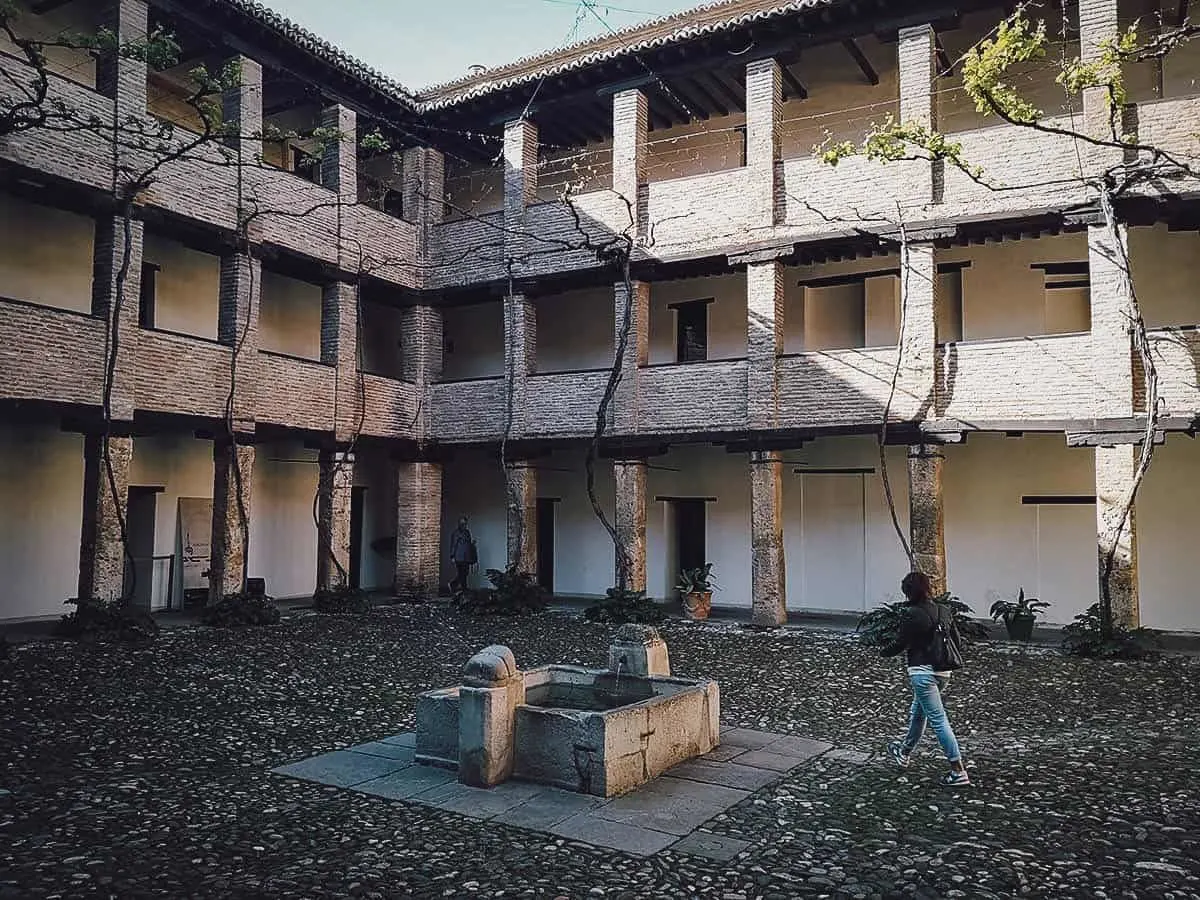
512 593
342 600
621 606
96 620
235 610
1086 637
879 627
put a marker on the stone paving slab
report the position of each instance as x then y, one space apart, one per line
664 813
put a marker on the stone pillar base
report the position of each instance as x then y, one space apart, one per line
926 528
101 551
334 490
630 521
768 583
521 503
418 530
233 468
1115 467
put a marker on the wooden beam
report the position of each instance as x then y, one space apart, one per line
1181 11
792 83
676 103
859 57
41 7
707 101
730 93
945 67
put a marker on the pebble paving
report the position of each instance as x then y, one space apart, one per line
128 772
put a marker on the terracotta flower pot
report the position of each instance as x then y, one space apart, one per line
696 604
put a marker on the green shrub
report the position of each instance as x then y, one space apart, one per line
880 626
621 606
236 610
512 593
96 620
342 600
1086 637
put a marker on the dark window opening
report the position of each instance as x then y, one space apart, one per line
691 331
149 292
357 501
545 543
306 165
742 147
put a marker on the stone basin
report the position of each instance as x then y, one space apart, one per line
595 731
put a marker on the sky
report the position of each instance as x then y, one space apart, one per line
426 42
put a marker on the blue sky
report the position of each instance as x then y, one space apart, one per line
425 42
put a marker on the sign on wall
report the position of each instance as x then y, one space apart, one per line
195 530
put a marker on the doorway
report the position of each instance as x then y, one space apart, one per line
139 524
691 549
833 535
357 504
545 543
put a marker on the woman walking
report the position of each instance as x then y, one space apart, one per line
930 641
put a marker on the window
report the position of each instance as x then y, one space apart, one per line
691 331
149 292
306 165
1067 296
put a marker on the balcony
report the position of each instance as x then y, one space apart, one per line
469 410
391 407
842 387
295 392
698 211
1177 359
181 374
50 354
690 397
564 404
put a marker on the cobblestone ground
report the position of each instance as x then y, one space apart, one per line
134 773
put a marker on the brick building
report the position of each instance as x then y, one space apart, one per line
369 333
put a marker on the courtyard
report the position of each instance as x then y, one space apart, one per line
134 772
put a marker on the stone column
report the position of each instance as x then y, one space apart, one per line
116 293
764 101
917 59
418 529
493 687
1115 467
101 552
521 506
339 348
926 528
233 468
767 572
520 182
633 305
334 489
242 108
918 350
421 355
237 327
764 341
424 179
631 118
629 476
339 160
1113 356
520 354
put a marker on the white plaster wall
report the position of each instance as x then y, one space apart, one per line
283 535
726 315
584 564
46 255
41 494
996 545
187 287
842 316
183 467
1168 521
575 169
473 486
476 334
834 317
1166 275
76 18
1181 70
290 316
575 330
697 148
474 190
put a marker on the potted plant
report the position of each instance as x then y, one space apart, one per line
695 589
1018 616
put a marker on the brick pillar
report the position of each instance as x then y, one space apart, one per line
116 293
418 529
233 465
521 506
237 327
339 160
424 180
764 99
917 60
926 528
421 354
334 489
1098 21
242 110
122 77
764 324
520 353
339 348
625 406
520 181
101 553
631 117
768 589
629 475
1113 356
1115 467
918 349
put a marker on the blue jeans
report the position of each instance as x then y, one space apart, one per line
927 707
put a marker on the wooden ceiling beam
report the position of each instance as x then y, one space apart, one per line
859 57
726 91
792 83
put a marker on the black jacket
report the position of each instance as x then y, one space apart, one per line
917 633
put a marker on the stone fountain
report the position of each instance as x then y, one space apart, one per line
595 731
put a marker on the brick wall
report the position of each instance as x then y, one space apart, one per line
564 405
840 387
50 354
295 392
710 395
1177 359
184 375
468 410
